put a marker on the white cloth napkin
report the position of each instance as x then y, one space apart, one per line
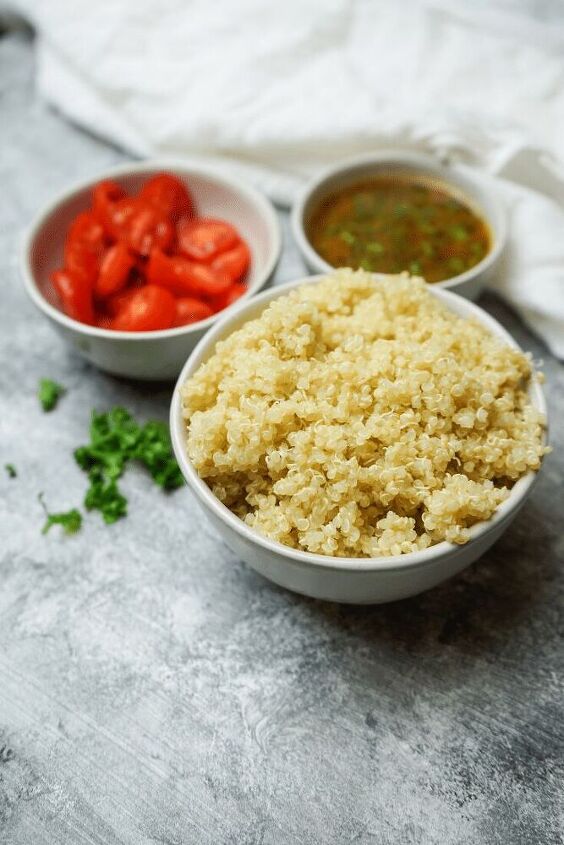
274 91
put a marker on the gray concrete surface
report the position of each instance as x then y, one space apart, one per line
155 690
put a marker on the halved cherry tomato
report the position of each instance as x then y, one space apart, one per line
87 230
104 196
84 246
169 195
184 277
200 261
207 281
231 295
205 238
234 263
117 217
148 309
115 303
75 295
114 270
190 310
148 227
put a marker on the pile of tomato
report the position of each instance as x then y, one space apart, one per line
148 262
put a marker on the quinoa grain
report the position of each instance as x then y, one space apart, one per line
359 417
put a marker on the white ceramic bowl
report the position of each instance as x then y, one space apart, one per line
476 189
353 580
158 354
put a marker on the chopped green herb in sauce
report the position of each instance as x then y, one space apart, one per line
10 470
393 223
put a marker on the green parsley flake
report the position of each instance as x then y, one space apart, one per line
11 470
116 439
70 521
49 393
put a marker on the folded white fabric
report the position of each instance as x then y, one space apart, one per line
276 91
531 276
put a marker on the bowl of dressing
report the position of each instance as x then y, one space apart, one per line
392 212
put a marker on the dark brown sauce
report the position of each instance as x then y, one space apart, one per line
393 223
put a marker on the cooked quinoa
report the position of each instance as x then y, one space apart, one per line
359 417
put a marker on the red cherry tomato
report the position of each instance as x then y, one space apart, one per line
148 227
114 270
106 254
148 309
190 310
116 302
234 263
117 217
205 238
208 282
75 295
161 271
184 277
230 296
169 195
87 230
104 196
84 246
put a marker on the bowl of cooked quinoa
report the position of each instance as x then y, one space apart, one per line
359 438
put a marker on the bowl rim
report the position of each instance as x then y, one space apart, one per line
175 166
203 350
482 182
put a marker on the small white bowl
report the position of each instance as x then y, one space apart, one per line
476 189
352 580
158 354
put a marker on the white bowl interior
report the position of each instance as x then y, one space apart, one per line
214 196
462 182
250 310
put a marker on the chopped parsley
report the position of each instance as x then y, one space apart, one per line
11 470
116 439
154 451
49 393
70 521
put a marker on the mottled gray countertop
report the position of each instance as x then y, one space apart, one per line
153 689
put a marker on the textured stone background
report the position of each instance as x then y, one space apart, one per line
155 690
